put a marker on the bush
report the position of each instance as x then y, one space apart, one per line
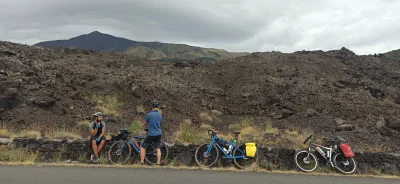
136 127
106 104
4 133
16 155
188 133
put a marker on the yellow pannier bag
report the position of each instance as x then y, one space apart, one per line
251 149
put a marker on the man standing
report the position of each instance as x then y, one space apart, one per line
153 122
97 130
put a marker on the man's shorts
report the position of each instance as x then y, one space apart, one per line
155 140
93 138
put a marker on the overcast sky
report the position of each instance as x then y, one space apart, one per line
364 26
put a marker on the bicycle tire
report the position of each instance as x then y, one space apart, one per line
253 160
196 157
153 160
348 159
310 153
115 144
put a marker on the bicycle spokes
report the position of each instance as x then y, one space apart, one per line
306 161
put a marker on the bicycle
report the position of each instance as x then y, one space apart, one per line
125 146
334 157
217 145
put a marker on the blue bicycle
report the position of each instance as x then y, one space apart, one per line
121 151
208 154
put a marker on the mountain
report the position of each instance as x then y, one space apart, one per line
394 54
93 41
149 50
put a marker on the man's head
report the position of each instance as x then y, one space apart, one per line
98 116
154 104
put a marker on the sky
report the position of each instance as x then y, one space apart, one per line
363 26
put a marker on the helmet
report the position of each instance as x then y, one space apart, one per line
154 104
97 114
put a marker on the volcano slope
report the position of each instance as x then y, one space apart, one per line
326 93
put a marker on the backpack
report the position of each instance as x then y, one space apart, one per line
123 135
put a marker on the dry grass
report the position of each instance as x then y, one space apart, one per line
187 133
294 139
205 117
83 124
106 104
269 129
4 133
249 131
16 155
63 134
140 109
216 113
26 134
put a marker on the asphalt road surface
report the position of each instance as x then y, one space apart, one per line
81 175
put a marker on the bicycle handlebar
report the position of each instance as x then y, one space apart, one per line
308 138
211 132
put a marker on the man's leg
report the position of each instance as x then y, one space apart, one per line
157 145
143 147
158 156
94 148
142 154
103 141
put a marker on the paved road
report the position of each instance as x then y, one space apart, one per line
80 175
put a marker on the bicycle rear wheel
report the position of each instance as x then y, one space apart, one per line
119 152
244 162
206 160
151 154
305 161
343 164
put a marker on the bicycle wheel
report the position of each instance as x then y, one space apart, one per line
119 152
343 164
307 158
151 154
244 162
206 160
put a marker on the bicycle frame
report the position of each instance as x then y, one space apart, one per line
229 155
133 144
320 149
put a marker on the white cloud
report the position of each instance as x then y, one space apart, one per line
236 25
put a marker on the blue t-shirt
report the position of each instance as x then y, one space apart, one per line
153 120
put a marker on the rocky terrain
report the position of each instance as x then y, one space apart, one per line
329 93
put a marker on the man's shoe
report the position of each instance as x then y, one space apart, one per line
92 158
160 164
96 159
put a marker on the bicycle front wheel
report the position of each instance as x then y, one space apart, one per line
343 164
119 152
151 154
305 161
244 162
205 159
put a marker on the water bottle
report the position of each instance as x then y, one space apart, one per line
230 148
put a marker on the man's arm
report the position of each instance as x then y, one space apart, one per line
145 122
103 130
93 129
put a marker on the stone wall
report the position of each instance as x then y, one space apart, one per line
272 158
